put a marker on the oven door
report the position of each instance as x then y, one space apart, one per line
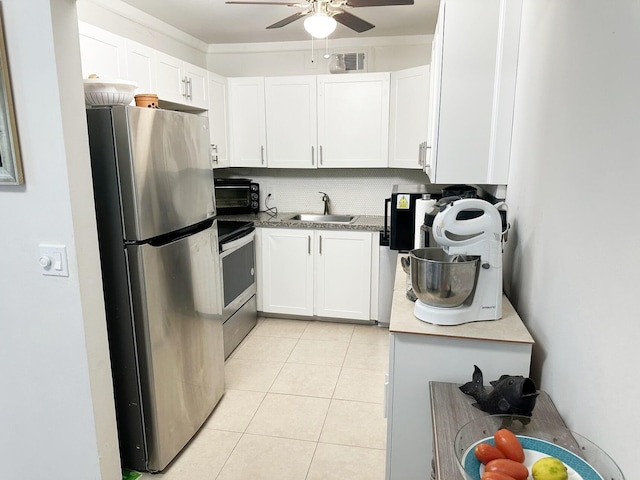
237 260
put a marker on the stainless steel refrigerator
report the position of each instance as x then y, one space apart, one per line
157 230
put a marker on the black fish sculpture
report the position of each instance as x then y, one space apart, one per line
510 394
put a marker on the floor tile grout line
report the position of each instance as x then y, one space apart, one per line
229 456
315 449
301 440
243 433
353 446
332 396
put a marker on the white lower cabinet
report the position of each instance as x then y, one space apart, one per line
323 273
414 361
343 274
287 271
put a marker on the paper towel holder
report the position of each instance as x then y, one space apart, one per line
423 206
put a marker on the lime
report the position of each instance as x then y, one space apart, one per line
549 468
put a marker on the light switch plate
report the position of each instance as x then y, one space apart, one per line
53 260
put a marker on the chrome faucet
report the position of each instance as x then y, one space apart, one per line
325 199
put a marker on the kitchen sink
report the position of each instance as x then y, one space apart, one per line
312 218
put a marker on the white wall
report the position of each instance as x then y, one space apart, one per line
573 254
56 407
298 58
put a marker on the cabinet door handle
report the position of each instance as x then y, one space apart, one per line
262 154
320 244
426 151
309 244
190 83
214 152
185 93
313 160
320 152
420 153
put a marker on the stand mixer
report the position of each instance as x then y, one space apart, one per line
461 281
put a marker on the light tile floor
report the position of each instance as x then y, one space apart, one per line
304 401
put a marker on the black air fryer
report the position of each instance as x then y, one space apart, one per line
402 215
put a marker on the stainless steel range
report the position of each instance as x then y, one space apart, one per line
237 259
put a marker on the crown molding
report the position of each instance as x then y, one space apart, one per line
141 18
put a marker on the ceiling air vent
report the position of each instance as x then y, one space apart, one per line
347 62
354 61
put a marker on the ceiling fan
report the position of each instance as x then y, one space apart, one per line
322 15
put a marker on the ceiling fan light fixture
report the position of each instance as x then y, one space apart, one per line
319 25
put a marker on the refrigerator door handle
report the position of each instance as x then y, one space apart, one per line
170 237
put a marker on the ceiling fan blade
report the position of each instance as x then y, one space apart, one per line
288 4
288 20
377 3
353 22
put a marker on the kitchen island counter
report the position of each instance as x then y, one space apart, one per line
509 328
420 353
371 223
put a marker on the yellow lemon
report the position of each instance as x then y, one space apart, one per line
549 468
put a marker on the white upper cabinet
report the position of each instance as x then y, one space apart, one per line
247 128
171 82
409 114
102 53
196 80
326 121
353 120
474 62
291 121
181 82
218 131
141 66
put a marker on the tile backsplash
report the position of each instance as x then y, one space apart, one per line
350 191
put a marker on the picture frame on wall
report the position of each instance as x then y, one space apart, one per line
10 161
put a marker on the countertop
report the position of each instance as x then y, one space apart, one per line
507 329
372 223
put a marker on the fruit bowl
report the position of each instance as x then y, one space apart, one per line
584 459
101 91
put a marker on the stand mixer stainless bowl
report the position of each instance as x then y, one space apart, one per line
442 280
462 281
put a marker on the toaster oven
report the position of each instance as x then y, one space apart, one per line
236 195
